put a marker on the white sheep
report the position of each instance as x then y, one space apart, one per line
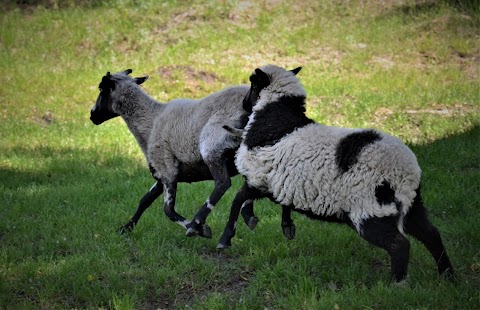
183 141
364 178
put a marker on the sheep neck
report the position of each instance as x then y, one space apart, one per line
139 114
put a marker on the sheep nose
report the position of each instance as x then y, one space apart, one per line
92 117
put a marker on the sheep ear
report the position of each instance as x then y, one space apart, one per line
128 71
260 77
140 80
107 79
107 82
296 70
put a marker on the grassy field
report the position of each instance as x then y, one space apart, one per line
410 68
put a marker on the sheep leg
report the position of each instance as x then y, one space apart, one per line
383 232
418 226
222 183
170 189
146 201
287 223
243 197
248 216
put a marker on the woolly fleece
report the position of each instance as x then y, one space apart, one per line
300 170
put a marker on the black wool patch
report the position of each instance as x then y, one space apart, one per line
340 218
276 120
152 170
350 147
385 194
381 231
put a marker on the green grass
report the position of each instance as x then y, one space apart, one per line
66 185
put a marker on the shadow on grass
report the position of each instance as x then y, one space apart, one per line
47 164
447 160
63 205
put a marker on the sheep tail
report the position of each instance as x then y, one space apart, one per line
234 131
404 204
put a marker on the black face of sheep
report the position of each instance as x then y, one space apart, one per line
102 110
259 80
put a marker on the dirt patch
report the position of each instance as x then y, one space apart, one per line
230 289
188 74
230 281
385 62
184 22
442 109
469 63
44 120
316 55
382 113
161 303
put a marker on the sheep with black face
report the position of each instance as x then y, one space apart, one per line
361 177
182 140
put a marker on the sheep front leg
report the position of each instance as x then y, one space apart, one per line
146 201
244 197
170 189
222 183
287 223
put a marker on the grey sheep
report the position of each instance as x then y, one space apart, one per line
364 178
183 141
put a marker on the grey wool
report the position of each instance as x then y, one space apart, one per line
182 140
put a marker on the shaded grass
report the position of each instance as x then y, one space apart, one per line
66 186
60 247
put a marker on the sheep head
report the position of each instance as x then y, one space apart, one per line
104 108
260 80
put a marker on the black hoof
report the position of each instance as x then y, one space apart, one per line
450 276
252 222
191 232
222 246
202 231
401 283
289 232
125 229
206 231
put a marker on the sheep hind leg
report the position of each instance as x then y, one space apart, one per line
288 227
383 232
418 226
197 227
170 190
243 197
155 191
248 216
